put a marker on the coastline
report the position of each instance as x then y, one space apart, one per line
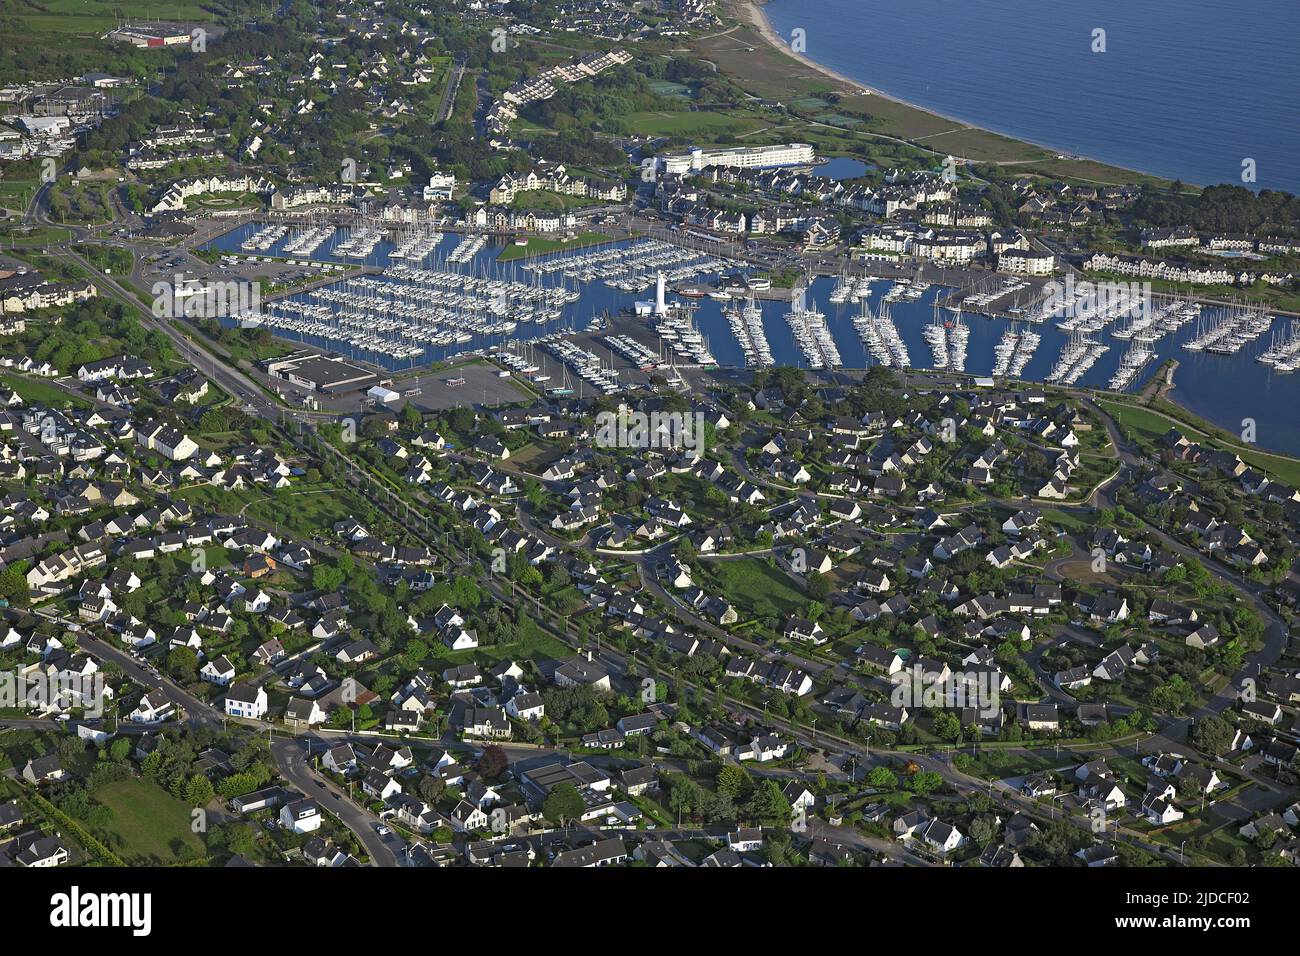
751 13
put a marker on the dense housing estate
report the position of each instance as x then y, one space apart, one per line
535 513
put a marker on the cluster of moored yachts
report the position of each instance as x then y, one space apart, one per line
408 309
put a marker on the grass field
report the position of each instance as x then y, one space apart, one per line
538 247
34 390
755 588
686 123
305 510
1147 425
668 88
36 237
553 202
533 644
16 193
98 16
1137 422
151 824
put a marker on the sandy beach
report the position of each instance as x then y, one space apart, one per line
751 13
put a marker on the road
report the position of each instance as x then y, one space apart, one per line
288 752
291 753
291 757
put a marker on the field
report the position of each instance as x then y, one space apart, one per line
149 824
1137 422
37 237
1148 425
108 259
99 16
16 193
34 390
755 588
692 124
533 644
537 247
544 199
306 510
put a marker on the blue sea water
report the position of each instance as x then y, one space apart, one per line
1186 89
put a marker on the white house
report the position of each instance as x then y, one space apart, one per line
153 708
301 816
218 671
243 700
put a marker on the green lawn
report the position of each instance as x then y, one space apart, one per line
107 258
1143 424
551 201
34 390
151 825
692 123
537 247
1147 425
16 193
34 237
755 588
533 644
307 509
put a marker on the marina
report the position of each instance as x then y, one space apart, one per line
1014 351
1228 331
747 326
1283 353
739 330
811 333
947 339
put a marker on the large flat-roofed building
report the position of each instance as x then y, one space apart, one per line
321 373
154 34
539 781
743 157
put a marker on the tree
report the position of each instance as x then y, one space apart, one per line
119 749
818 586
1213 734
983 830
882 778
182 662
563 804
768 805
732 781
326 578
431 788
947 726
492 764
198 790
924 781
1171 696
13 584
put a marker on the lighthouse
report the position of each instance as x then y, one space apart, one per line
661 307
